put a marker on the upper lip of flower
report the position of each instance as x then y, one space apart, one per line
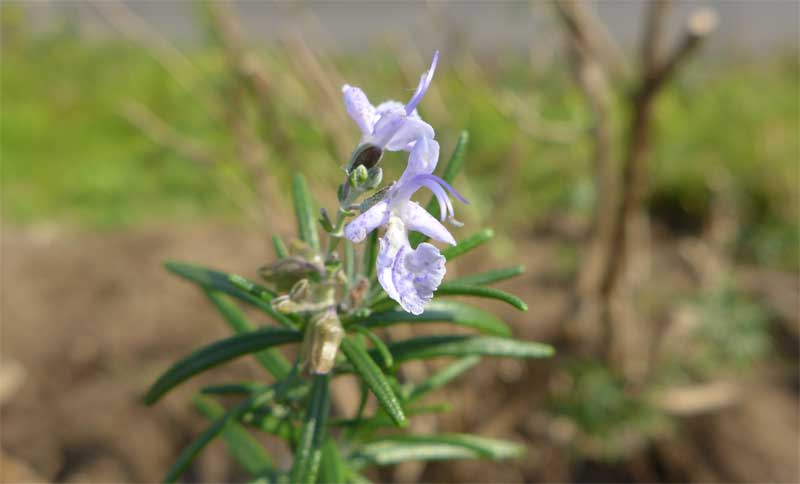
391 125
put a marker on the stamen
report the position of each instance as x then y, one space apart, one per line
454 222
447 186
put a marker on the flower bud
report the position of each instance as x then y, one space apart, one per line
342 193
374 177
376 197
323 336
325 220
300 291
366 155
359 176
285 273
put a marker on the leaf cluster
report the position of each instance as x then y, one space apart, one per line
296 406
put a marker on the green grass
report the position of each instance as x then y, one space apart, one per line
69 156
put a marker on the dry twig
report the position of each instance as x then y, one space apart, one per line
603 304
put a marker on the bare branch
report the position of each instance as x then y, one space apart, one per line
634 176
589 324
701 23
652 43
593 35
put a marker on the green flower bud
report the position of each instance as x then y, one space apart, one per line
325 220
359 176
342 193
374 178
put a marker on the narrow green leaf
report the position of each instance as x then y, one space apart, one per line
279 246
244 448
222 421
243 388
271 424
381 419
456 162
332 469
460 345
250 287
370 253
442 377
365 366
216 354
354 477
379 345
304 211
308 453
454 289
468 244
211 279
401 448
490 277
271 359
442 312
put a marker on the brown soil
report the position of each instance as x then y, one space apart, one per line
90 319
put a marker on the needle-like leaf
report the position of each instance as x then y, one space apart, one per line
490 277
440 311
221 281
468 244
308 453
455 289
216 354
222 421
401 448
244 448
304 211
271 359
369 371
460 345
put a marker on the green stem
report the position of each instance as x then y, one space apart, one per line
336 236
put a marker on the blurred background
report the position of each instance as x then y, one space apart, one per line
640 159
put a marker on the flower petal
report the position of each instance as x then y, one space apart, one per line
393 242
418 219
359 108
424 82
388 123
388 106
409 276
407 132
417 274
368 221
423 158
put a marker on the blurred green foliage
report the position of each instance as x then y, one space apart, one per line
70 155
723 334
610 420
730 334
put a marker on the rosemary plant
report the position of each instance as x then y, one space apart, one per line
332 297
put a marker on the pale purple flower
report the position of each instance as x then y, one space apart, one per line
391 125
408 275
